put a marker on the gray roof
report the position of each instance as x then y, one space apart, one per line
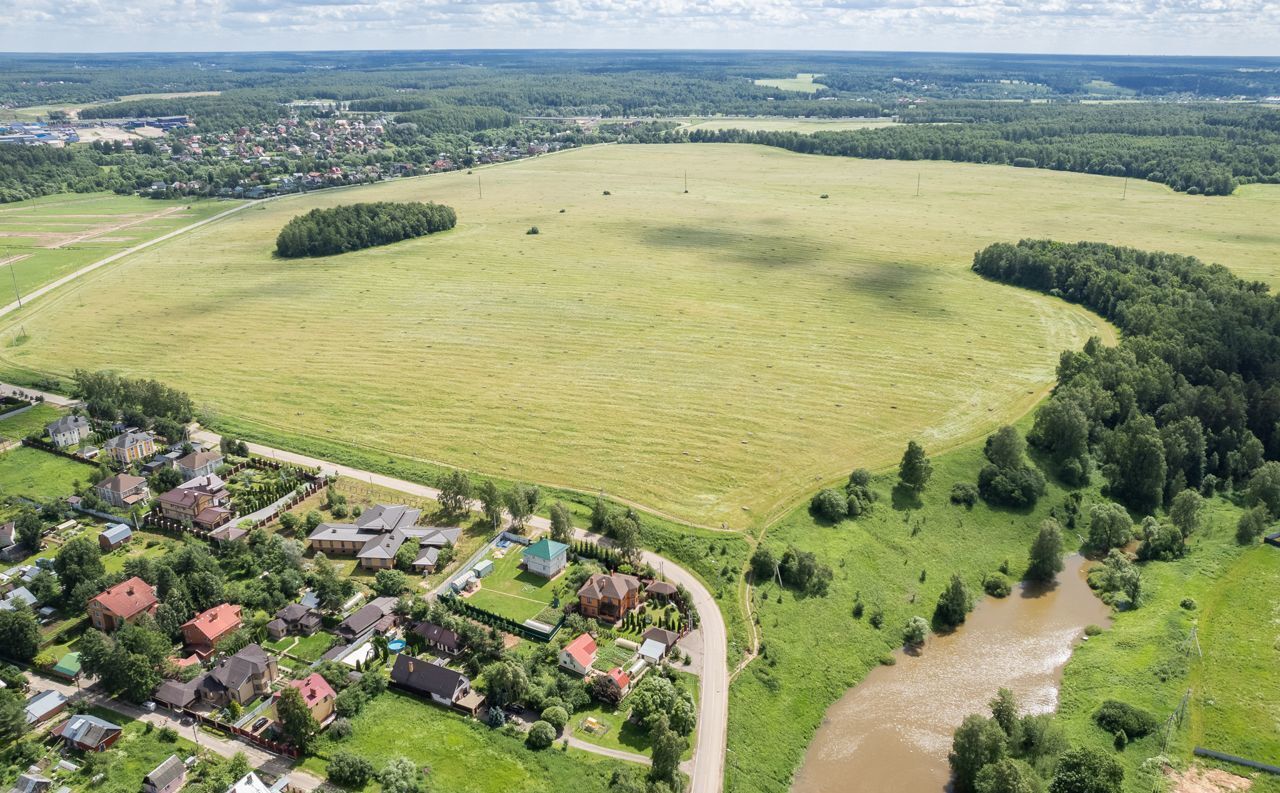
425 677
366 617
68 423
19 595
41 705
117 533
233 672
31 783
126 440
177 693
427 557
166 773
386 518
88 730
382 529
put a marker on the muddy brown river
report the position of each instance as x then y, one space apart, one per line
891 732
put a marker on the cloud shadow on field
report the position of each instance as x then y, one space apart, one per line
761 247
894 284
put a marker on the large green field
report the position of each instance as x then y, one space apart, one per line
46 238
804 83
710 355
40 475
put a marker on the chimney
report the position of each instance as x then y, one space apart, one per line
410 666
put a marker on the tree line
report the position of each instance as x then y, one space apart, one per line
1199 150
351 227
1189 398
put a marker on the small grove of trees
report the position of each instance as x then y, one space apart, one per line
325 232
1045 557
797 569
1007 479
953 604
110 396
857 497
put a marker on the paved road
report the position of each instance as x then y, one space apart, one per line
274 765
88 268
51 398
713 711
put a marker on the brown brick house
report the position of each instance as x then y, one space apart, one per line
608 596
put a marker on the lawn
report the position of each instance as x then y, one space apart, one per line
310 648
611 654
136 754
34 420
45 238
803 83
514 593
620 732
463 755
40 475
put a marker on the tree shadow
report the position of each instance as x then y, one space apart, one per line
904 498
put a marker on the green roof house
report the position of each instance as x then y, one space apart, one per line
68 666
546 558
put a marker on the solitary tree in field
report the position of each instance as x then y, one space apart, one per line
1185 512
915 632
915 470
1046 553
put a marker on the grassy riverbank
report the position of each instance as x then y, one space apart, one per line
1150 659
895 560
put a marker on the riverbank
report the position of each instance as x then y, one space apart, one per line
896 561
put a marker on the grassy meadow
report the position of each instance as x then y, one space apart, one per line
33 420
804 83
708 355
45 238
40 475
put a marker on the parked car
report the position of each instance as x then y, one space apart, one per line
259 724
149 706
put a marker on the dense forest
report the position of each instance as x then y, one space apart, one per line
33 171
1190 398
1205 149
324 232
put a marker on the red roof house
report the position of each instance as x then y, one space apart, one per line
579 654
317 694
205 629
122 603
620 679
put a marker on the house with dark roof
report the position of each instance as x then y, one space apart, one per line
608 596
442 684
88 733
438 638
32 783
123 491
546 558
241 678
122 603
376 613
660 635
377 535
204 502
130 446
168 777
202 632
68 431
198 464
579 655
660 590
294 619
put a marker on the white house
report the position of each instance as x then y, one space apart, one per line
546 558
578 655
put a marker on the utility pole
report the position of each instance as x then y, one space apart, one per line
1126 189
686 181
480 186
14 276
917 185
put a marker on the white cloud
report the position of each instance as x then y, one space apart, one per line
1125 26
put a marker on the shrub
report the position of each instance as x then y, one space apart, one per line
830 505
556 716
964 494
1092 630
1189 604
915 631
541 735
997 585
532 230
1115 716
167 734
340 729
1010 487
349 770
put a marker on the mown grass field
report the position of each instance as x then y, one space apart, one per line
46 238
785 124
461 755
514 593
802 82
708 355
33 420
39 475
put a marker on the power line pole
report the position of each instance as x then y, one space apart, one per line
1126 189
917 185
686 181
14 276
479 185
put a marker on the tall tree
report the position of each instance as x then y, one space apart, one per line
19 633
561 523
1086 770
78 562
667 746
491 501
915 469
297 724
953 603
978 742
1045 560
27 528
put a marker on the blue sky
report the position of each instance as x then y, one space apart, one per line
1172 27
